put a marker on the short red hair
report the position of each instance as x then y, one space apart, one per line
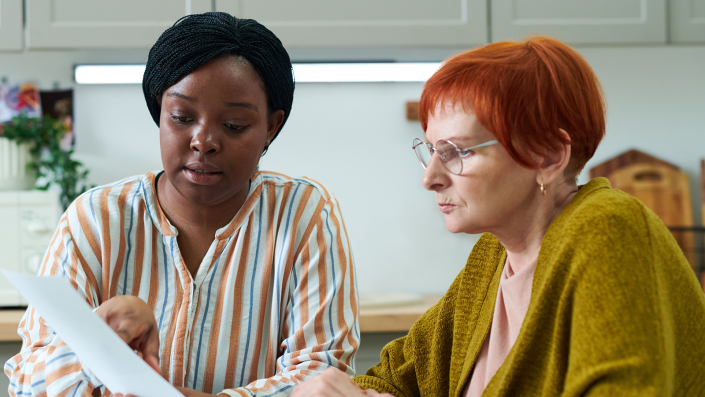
523 92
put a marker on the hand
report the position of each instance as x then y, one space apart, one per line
134 322
332 383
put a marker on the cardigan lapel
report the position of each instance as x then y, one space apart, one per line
475 307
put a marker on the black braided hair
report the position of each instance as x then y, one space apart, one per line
196 39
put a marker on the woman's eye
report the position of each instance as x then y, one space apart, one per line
181 119
235 127
465 153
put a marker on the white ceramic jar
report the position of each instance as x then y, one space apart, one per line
14 173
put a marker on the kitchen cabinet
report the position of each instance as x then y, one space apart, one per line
687 21
10 25
580 21
367 23
85 24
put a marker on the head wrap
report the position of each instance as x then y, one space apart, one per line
196 39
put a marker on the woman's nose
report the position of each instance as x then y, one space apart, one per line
205 140
435 177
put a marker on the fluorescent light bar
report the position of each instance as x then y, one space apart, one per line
109 74
363 72
304 73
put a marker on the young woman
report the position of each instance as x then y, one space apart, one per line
572 290
226 279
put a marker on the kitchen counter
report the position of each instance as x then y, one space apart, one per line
378 319
8 325
395 318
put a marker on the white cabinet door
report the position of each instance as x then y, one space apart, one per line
367 23
56 24
10 25
581 21
687 21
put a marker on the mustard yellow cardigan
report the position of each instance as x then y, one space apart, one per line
615 311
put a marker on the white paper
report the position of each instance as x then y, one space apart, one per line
99 348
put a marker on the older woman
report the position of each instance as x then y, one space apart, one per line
225 278
571 290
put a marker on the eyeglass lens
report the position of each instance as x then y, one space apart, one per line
445 151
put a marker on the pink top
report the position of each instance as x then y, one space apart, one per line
510 308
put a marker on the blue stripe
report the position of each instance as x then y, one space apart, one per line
205 314
280 390
38 383
12 368
13 385
48 363
129 244
335 288
328 357
293 322
63 264
166 279
286 236
252 292
91 206
27 393
76 389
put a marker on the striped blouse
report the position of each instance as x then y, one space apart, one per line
272 304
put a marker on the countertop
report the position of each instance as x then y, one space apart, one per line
379 319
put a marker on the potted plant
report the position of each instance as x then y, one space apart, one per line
41 137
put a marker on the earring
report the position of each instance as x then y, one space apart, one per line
543 190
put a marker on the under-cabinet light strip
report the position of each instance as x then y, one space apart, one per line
303 72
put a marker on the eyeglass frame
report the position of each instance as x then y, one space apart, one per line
458 151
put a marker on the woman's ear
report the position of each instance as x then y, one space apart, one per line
276 119
159 99
555 162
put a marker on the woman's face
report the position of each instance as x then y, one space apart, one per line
492 190
213 128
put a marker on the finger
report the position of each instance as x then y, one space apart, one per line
150 349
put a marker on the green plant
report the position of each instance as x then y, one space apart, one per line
49 160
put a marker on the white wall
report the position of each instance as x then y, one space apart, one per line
355 139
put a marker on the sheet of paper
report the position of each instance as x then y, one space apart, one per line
93 341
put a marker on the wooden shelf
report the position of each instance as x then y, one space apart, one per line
9 319
380 319
396 318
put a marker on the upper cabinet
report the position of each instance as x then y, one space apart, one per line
687 21
581 21
10 25
56 24
367 23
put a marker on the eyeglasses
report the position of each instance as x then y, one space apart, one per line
451 156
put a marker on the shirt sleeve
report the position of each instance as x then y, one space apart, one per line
46 365
321 329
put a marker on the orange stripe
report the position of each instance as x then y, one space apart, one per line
220 301
264 287
303 287
237 308
87 231
309 228
322 284
61 372
325 191
87 271
353 300
154 271
241 214
53 240
106 243
89 390
120 260
63 393
179 344
55 263
342 259
163 222
139 250
294 227
270 359
168 345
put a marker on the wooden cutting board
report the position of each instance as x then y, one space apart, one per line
665 191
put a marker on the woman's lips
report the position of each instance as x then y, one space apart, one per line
199 178
446 208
